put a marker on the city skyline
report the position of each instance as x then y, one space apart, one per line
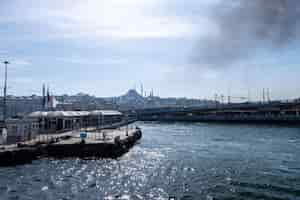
106 47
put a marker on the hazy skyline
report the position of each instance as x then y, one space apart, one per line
178 48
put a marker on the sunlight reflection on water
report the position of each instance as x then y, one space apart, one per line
188 161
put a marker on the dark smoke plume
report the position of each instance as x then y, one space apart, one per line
245 26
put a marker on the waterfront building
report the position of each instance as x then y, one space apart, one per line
59 121
3 134
21 129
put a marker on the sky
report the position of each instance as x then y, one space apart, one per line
180 48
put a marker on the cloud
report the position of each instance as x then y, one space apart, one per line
105 19
120 20
3 53
20 62
244 28
15 62
83 61
149 40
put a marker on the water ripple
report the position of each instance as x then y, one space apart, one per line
187 161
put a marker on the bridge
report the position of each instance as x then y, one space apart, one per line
274 112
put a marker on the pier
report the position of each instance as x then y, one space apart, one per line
110 143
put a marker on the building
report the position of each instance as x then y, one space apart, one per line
21 105
21 129
59 121
3 135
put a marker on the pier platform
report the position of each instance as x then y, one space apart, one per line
110 143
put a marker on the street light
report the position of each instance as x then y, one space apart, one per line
5 90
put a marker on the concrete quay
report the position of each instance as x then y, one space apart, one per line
110 143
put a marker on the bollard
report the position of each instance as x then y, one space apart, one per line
104 135
82 141
117 140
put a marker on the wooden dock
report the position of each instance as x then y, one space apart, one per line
110 143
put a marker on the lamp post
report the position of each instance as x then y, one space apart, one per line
5 90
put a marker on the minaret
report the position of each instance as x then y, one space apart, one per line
44 96
48 98
268 95
142 90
